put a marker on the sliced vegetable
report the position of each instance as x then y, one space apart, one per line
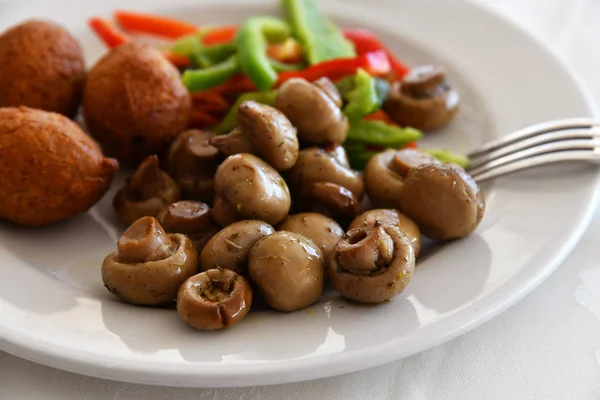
189 44
202 119
211 55
358 154
289 51
365 42
230 120
380 115
363 99
251 43
202 79
446 156
381 134
284 67
321 40
219 35
154 24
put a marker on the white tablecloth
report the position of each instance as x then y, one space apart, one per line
546 347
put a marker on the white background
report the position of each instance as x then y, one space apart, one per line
546 347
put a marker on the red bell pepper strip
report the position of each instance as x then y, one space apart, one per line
202 119
154 24
364 42
219 35
380 115
113 37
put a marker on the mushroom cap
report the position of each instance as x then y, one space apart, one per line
316 115
386 216
214 299
146 193
322 230
318 165
149 266
443 200
230 247
288 270
371 264
248 188
329 199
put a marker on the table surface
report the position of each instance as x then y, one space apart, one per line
546 347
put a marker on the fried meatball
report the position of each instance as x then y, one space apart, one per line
41 66
135 103
50 170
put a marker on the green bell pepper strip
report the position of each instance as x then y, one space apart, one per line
189 45
284 67
358 154
446 156
202 79
251 42
363 99
230 120
347 85
379 133
211 55
321 40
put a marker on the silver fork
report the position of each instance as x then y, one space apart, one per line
571 139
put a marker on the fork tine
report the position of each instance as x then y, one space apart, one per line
534 130
584 134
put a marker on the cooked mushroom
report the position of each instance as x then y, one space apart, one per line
329 199
423 100
319 165
443 200
329 89
230 247
262 130
313 111
391 217
384 174
149 265
191 218
214 299
288 270
146 193
371 264
192 162
322 230
248 188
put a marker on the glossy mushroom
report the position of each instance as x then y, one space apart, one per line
146 193
329 199
149 265
262 130
371 264
246 187
192 162
314 112
325 165
214 299
288 270
191 218
384 174
386 216
423 99
322 230
443 200
230 247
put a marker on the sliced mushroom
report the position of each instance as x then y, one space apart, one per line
191 218
192 162
288 270
248 188
230 247
149 265
423 100
146 193
384 174
391 217
322 230
214 299
329 199
317 116
443 200
262 130
319 165
371 264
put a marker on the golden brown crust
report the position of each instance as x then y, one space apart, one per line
41 66
135 103
50 170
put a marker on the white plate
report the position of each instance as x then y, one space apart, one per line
54 309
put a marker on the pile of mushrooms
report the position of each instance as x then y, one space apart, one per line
273 209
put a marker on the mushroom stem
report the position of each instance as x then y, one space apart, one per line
234 142
218 289
364 250
145 240
147 180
